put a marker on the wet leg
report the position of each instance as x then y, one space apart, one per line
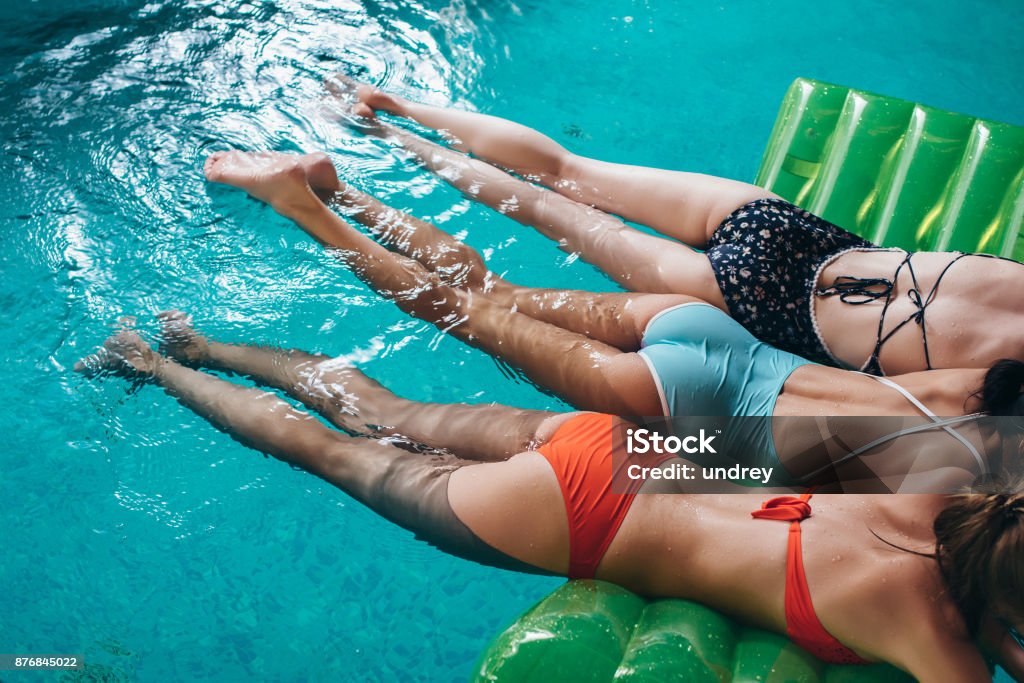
589 374
685 206
406 488
358 404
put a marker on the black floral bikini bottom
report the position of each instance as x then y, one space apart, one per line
766 256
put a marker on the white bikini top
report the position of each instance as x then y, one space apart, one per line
946 424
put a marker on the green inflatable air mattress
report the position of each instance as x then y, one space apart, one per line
897 173
596 632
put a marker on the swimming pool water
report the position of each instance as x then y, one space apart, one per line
134 533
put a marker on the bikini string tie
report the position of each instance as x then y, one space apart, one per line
857 291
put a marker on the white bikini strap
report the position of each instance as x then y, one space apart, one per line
929 426
906 394
935 418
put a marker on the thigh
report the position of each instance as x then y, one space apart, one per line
635 260
685 206
583 371
614 318
484 433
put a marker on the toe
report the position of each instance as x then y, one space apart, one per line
90 365
340 84
172 315
210 167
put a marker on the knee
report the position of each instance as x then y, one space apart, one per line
432 301
466 269
530 152
608 233
568 167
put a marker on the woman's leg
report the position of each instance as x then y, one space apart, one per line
633 259
356 403
406 488
457 263
609 317
685 206
587 373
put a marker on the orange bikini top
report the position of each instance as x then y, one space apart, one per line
802 623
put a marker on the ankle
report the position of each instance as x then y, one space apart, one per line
218 355
399 106
156 367
299 207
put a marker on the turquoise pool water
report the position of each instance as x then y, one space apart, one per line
134 533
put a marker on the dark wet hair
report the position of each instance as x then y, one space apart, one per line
1002 392
979 545
979 537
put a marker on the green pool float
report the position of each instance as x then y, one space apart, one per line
897 173
596 632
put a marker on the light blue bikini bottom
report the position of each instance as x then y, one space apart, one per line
706 364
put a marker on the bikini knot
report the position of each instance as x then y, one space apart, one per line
784 509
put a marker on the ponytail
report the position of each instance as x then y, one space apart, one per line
1002 392
979 545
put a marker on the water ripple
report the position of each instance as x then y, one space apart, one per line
113 106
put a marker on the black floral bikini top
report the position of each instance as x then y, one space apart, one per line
860 290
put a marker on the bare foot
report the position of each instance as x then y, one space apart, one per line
320 172
288 182
124 353
366 100
179 339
